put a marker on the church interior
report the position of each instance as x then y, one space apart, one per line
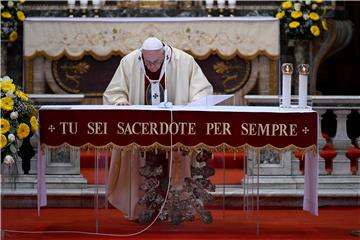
59 56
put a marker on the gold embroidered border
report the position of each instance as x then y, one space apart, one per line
218 148
72 57
119 53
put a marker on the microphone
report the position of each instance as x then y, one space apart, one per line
165 103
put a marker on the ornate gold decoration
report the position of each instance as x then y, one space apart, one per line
287 68
229 74
198 38
72 73
200 146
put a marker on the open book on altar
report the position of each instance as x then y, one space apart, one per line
210 100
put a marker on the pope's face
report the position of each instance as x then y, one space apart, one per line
153 59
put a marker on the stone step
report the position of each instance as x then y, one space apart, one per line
286 191
229 197
297 182
67 181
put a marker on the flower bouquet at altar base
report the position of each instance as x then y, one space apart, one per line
12 18
18 120
303 20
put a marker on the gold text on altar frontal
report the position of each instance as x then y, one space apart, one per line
181 128
156 128
267 129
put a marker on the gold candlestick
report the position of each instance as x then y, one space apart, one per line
232 6
208 5
221 6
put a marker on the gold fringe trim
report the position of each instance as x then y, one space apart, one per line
38 53
120 53
179 146
232 55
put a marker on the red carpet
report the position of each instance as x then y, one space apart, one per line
332 223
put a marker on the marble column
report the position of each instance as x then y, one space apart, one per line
341 165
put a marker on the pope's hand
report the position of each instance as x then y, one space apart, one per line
122 104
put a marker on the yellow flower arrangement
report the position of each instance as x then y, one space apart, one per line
302 19
12 18
18 120
3 141
4 126
34 124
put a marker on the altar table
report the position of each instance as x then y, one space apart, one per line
215 128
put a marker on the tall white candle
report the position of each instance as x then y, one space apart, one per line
209 3
71 2
83 2
96 2
287 70
303 84
221 3
232 3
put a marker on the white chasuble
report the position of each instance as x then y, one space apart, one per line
184 82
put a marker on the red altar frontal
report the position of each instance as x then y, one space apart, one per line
215 128
211 127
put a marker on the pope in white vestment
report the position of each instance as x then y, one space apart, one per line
185 82
179 80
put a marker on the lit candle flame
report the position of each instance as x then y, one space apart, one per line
287 68
303 69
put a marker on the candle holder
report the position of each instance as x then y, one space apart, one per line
83 13
96 7
71 7
209 5
187 5
71 13
83 7
96 12
232 6
221 6
303 70
287 70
